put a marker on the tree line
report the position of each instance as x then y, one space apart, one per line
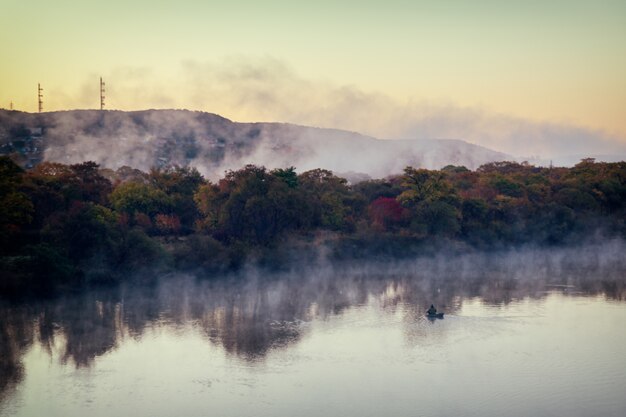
62 226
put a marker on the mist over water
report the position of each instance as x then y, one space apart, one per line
531 326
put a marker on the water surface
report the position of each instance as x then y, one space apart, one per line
518 339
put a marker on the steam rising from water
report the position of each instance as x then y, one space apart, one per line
254 313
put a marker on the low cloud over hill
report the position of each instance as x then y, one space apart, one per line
211 143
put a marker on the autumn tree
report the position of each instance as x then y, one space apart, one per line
385 212
180 184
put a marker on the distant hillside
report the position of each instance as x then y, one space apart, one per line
143 139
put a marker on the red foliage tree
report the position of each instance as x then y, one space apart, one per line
167 224
385 211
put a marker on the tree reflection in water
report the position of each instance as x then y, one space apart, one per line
248 316
16 336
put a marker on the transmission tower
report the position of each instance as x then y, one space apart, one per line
101 94
40 97
11 106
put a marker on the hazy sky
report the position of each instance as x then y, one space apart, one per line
561 61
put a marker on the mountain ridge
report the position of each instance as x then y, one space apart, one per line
212 143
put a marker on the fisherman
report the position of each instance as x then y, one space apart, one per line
432 310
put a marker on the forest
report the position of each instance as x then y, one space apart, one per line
63 227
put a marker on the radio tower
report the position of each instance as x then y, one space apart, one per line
40 97
101 94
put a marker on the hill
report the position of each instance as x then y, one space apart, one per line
143 139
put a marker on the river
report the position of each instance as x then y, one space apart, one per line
533 333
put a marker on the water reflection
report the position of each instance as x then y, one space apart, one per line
251 315
16 332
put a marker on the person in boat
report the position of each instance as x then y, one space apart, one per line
431 311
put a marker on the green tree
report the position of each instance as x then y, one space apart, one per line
85 230
137 198
180 184
422 185
287 175
330 202
250 204
431 200
16 208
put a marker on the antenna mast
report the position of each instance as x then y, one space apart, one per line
101 94
40 97
11 106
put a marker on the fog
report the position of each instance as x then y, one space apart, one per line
253 311
379 137
214 144
267 89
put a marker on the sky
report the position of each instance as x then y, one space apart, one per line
561 63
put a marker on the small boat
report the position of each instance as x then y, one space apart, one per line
434 316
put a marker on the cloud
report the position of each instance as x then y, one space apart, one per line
268 89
